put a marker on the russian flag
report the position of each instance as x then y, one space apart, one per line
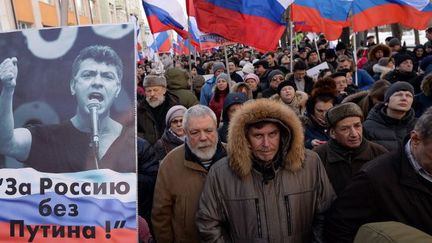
161 42
184 46
411 13
165 15
326 16
255 23
194 32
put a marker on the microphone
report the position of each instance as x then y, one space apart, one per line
93 107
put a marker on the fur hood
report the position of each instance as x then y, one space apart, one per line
239 152
384 48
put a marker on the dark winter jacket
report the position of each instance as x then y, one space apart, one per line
385 130
166 143
396 75
313 130
386 189
151 121
342 163
148 167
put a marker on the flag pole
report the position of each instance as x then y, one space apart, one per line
316 48
290 26
226 61
354 49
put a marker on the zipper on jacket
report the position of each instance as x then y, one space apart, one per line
288 215
258 218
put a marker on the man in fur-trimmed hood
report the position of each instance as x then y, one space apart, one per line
269 187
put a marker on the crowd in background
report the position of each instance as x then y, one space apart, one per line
351 112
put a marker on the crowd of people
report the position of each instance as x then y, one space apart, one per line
259 151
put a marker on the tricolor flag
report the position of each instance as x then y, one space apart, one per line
159 42
326 16
411 13
252 22
165 15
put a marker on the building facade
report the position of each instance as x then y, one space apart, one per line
23 14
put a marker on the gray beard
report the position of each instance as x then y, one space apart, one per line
156 103
203 155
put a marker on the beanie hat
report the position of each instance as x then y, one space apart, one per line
173 112
264 63
274 73
154 80
218 65
394 42
252 76
401 57
398 86
223 76
248 68
234 98
286 83
342 111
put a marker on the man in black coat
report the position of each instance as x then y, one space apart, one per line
346 151
393 187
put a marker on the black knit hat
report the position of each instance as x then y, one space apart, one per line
398 86
342 111
286 83
401 57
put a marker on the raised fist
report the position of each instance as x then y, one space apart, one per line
9 72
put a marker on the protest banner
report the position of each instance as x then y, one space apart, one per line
67 135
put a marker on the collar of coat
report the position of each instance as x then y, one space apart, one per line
238 148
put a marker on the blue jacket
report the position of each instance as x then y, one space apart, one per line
207 91
365 81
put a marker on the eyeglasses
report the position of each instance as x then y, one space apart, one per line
278 79
176 121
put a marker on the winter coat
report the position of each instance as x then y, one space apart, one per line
298 104
396 75
177 83
313 130
238 205
342 163
178 188
372 60
385 130
362 79
386 189
217 106
207 91
151 121
423 100
148 167
166 143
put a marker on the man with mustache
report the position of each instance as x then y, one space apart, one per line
70 146
153 109
269 188
346 151
181 177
